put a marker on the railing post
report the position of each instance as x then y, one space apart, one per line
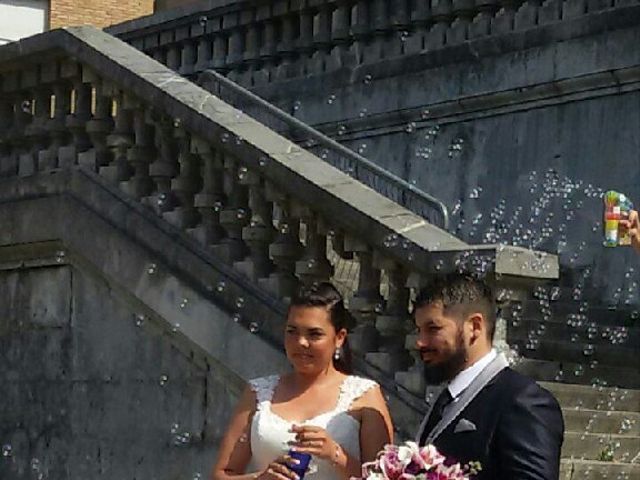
209 199
185 185
285 249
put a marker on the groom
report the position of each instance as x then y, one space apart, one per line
487 412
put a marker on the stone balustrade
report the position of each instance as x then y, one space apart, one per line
259 42
276 214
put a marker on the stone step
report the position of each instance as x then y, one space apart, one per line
596 470
599 314
585 373
608 335
573 396
560 350
599 421
595 446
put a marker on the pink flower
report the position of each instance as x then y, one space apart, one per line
391 463
428 457
453 472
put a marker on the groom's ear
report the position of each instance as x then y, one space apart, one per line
476 325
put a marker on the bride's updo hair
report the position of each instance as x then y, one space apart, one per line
325 295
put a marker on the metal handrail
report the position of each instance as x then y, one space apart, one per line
330 143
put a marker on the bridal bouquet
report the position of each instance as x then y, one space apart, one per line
411 462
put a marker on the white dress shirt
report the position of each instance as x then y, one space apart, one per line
461 381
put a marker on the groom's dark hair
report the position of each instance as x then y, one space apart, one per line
462 291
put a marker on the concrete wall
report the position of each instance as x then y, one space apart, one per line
89 391
22 18
520 145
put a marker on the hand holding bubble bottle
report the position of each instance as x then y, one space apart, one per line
617 207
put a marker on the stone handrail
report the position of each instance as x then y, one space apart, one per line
273 212
361 168
257 42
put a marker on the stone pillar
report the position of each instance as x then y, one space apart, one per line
367 302
286 248
185 185
119 142
210 198
313 266
56 126
441 15
139 156
393 325
98 129
260 232
234 215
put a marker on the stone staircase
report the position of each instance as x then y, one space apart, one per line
238 216
602 435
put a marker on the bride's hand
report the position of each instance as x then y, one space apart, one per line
316 441
278 470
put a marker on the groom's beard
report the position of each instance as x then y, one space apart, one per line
447 369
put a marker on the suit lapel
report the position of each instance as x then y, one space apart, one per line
454 409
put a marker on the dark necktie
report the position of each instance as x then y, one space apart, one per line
435 416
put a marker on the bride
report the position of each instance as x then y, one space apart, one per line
319 408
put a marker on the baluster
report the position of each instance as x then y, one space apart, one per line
37 132
367 301
463 13
77 123
322 37
204 53
341 55
139 156
527 15
420 20
286 248
393 324
185 185
234 215
174 56
260 232
236 41
57 127
550 12
164 167
361 29
381 45
441 14
286 47
413 378
253 41
8 164
268 52
220 44
504 19
313 266
304 43
185 51
119 141
98 129
209 200
20 144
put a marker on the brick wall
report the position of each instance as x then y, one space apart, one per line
168 4
100 13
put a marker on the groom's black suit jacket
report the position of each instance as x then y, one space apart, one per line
519 431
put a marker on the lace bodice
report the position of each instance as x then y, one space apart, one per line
270 432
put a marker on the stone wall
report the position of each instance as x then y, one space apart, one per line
92 391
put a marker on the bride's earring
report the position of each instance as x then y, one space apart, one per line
336 355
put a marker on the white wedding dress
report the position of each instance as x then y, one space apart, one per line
270 433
